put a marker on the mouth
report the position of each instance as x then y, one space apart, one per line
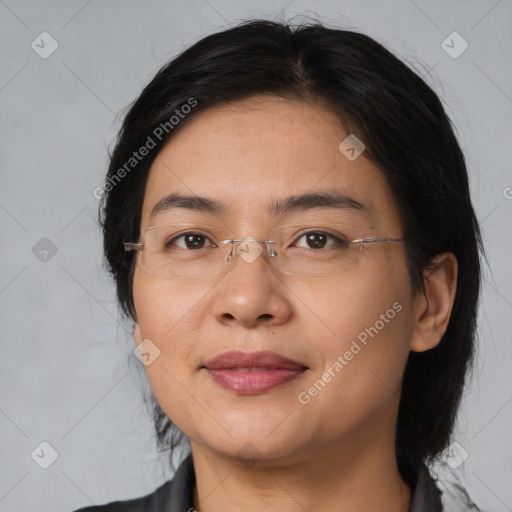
252 373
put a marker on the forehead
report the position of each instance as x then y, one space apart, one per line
249 154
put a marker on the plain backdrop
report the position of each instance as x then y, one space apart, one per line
68 375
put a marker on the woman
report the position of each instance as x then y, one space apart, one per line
288 222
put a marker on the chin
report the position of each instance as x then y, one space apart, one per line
253 446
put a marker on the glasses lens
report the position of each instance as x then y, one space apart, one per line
321 251
183 250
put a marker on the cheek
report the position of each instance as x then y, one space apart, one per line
363 360
370 333
165 314
350 302
162 305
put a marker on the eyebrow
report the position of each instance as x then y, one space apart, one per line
194 203
330 199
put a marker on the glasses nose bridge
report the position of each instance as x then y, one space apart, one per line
249 249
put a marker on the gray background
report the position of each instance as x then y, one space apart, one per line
68 375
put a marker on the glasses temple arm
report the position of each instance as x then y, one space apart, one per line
130 246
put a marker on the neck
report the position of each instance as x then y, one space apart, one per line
344 479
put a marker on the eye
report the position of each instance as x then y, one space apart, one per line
190 240
319 240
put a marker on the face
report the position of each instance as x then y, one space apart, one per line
339 342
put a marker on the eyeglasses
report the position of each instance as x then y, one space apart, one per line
180 251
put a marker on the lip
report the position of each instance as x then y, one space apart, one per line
252 373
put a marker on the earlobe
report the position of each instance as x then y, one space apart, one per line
434 305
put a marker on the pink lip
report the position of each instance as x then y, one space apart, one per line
252 373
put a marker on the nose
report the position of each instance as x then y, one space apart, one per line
251 293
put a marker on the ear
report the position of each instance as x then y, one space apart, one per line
433 306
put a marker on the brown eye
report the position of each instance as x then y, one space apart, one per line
190 241
316 240
194 241
319 240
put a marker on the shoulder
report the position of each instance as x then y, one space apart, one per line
145 503
442 490
173 495
455 492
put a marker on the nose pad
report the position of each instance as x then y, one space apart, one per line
248 249
229 256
